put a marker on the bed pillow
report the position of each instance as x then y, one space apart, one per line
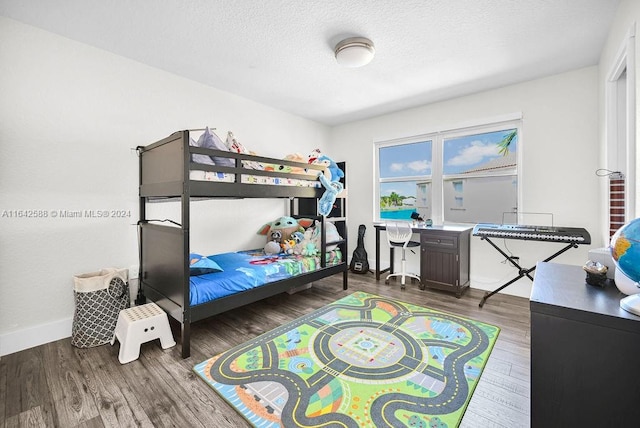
198 158
209 140
201 265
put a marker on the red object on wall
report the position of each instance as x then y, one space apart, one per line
616 202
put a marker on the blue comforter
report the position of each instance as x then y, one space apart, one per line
245 270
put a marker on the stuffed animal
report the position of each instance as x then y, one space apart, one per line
310 249
332 234
330 180
276 236
295 157
235 146
272 247
307 243
311 242
287 246
333 168
328 198
298 237
313 156
285 226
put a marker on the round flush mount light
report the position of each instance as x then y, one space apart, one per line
354 52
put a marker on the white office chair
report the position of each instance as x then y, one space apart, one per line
399 234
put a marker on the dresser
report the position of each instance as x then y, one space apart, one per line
585 352
444 256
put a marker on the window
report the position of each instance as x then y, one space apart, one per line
457 195
457 176
405 179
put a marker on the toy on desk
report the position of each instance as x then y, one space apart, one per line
596 273
416 217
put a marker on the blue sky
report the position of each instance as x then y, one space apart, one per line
464 153
414 160
406 160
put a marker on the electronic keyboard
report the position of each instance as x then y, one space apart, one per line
575 235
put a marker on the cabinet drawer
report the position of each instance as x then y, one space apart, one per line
441 241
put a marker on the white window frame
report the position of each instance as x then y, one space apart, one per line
512 121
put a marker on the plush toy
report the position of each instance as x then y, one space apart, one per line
298 237
276 236
272 247
332 234
302 244
328 198
313 156
235 146
333 168
287 246
295 157
281 229
330 179
310 249
305 240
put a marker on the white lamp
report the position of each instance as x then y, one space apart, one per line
354 52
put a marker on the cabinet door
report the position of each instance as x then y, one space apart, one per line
439 268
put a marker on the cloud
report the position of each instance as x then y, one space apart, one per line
475 152
419 165
415 166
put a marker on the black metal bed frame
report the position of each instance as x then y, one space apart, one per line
164 251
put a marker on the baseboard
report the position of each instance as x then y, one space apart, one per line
20 340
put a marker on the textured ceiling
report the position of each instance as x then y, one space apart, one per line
280 53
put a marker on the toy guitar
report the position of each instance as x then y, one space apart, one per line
359 261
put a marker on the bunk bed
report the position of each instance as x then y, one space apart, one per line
167 172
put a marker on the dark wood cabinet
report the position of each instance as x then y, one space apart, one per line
444 258
584 352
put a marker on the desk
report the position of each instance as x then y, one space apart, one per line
584 352
444 256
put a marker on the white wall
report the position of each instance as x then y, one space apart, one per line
559 143
69 116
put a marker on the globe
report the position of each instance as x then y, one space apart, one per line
625 249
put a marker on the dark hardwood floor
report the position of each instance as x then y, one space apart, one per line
57 385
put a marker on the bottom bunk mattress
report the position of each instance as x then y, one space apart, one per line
219 275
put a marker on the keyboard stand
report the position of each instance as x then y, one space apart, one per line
521 272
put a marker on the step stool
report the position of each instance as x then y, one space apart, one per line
139 325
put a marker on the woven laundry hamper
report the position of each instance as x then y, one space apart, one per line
99 298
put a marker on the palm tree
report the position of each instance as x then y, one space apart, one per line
394 198
503 146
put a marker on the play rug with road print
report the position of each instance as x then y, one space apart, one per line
362 361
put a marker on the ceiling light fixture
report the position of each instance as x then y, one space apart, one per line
354 52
